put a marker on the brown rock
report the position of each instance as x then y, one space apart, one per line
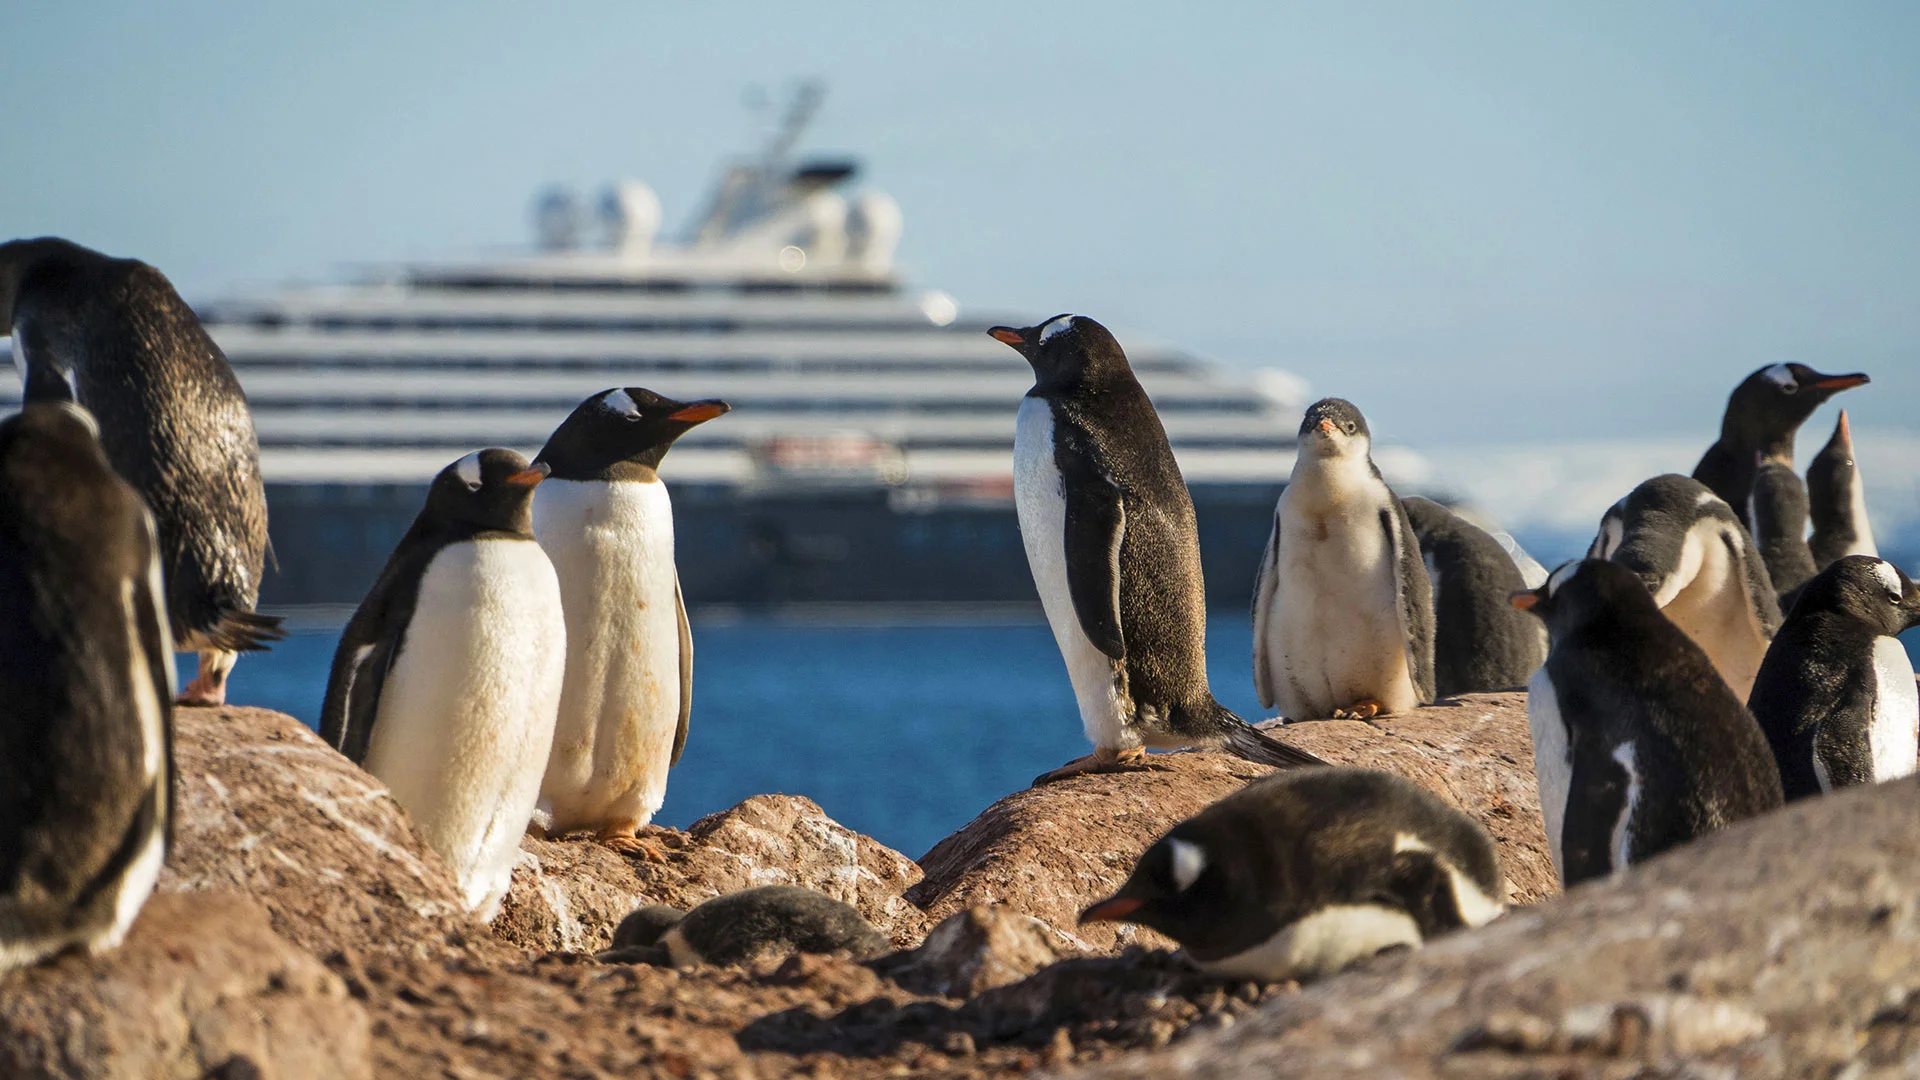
570 894
201 985
977 949
1784 946
1050 851
269 810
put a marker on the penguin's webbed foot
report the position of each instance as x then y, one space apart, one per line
209 685
1103 760
620 837
1364 709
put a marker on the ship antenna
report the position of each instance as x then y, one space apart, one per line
745 191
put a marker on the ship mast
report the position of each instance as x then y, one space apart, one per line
746 192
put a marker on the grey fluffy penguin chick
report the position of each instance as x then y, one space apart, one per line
746 927
1837 501
1480 642
1777 519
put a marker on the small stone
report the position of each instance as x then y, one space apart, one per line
958 1044
1060 1049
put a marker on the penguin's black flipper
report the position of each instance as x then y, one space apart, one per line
149 609
686 671
1596 803
1251 744
1265 585
1096 525
1415 589
367 649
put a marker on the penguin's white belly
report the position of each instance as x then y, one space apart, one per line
612 548
1320 944
1336 635
466 714
1894 737
1707 598
1552 761
1039 494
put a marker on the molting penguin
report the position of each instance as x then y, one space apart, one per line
1480 642
1837 498
1836 696
1638 745
1763 414
173 422
605 520
1300 874
86 692
746 927
1702 567
447 678
1777 520
1109 531
1342 607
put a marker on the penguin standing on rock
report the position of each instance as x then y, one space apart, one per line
173 422
1480 642
1777 519
86 692
1763 414
605 520
447 679
1702 568
1109 531
1300 874
1342 609
1836 695
1638 744
1837 501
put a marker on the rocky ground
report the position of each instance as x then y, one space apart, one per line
303 931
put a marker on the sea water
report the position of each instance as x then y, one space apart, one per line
901 732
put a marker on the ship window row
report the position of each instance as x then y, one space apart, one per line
276 320
282 362
456 441
673 286
972 406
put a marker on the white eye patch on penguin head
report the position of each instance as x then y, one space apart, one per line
1188 862
1055 326
621 404
468 470
1889 579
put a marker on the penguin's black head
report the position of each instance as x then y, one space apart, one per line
1582 590
1182 888
486 491
1871 590
644 925
1770 405
622 434
1065 351
1333 427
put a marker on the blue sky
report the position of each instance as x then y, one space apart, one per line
1482 222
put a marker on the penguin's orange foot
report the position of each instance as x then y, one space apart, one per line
209 685
1364 709
620 837
1102 760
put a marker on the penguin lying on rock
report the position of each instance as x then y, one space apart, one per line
1638 745
1109 532
1300 874
1480 642
744 927
1763 414
1837 501
1836 694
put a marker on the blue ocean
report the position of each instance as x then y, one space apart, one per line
903 732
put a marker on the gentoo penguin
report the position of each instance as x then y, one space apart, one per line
1777 520
1701 565
173 422
1638 745
1837 501
1110 537
746 927
605 520
1763 414
86 692
447 678
1836 696
1342 608
1480 642
1300 874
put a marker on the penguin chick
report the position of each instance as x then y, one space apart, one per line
1763 414
1837 501
447 678
1702 568
1638 745
605 520
1342 607
637 939
173 421
1777 519
1300 874
1480 642
1109 532
1836 696
767 922
86 692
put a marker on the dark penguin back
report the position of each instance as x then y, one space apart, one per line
1777 518
1832 477
75 544
1480 641
1653 522
173 421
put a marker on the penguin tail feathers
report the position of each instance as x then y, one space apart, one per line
235 631
1248 742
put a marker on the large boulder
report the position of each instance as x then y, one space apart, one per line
1050 851
568 895
1788 945
201 987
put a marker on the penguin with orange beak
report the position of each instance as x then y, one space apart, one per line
1763 414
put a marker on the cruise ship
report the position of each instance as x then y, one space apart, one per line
868 457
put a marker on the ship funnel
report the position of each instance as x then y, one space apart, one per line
873 230
556 220
630 217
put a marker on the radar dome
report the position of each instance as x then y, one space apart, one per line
556 220
630 217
